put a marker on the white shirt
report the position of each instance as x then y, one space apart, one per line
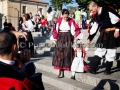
100 10
50 16
28 25
79 54
64 26
39 13
85 14
9 62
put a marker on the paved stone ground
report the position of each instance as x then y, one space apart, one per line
43 60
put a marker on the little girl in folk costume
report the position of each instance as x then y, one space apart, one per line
78 64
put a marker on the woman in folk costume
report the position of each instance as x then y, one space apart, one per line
65 32
106 19
28 27
78 64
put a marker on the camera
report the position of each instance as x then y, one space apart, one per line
21 43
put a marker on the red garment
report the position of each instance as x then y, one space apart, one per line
13 84
70 21
37 19
83 51
89 31
58 68
111 7
43 22
93 15
84 55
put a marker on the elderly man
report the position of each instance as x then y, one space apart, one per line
106 19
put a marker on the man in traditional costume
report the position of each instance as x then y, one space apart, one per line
106 20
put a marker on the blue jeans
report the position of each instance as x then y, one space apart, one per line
43 29
50 22
84 24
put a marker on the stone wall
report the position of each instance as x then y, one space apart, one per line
12 10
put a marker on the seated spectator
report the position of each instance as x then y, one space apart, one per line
43 22
6 27
9 70
11 27
37 22
53 28
53 25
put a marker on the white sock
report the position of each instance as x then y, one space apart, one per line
73 73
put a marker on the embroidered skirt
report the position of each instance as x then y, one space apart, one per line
63 51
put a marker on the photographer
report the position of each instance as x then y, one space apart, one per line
24 77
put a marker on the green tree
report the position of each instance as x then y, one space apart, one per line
59 3
71 9
113 3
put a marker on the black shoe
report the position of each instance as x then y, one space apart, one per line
89 70
73 77
59 76
107 72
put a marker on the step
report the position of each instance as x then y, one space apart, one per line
64 83
50 87
85 36
41 53
36 39
42 45
87 78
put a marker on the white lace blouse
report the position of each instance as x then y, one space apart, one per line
64 26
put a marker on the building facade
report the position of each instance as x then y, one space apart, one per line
11 10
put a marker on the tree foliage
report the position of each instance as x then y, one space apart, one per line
71 9
113 3
59 3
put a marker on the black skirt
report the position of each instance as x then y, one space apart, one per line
30 42
63 51
107 40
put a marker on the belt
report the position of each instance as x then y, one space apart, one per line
110 29
64 31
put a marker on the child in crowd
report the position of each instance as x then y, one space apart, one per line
78 64
53 24
52 27
43 22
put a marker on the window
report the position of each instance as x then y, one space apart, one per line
40 9
24 9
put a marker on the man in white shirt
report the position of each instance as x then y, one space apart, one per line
84 19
